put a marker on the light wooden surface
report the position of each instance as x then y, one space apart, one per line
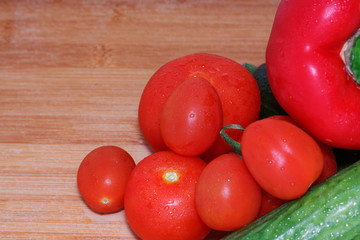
71 76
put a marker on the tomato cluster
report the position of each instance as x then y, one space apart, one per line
191 98
193 112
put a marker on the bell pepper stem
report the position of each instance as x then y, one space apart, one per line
350 55
355 59
234 144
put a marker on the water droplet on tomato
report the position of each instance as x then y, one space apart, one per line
225 76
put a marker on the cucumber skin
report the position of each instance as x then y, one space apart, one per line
329 210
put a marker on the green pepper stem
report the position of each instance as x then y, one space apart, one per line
355 59
234 144
350 55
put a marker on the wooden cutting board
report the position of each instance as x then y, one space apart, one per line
71 77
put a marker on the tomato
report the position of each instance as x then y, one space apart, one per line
283 159
160 197
236 87
269 203
330 164
102 178
191 118
306 71
227 196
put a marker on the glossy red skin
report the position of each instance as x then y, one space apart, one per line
227 196
235 86
306 73
269 203
103 174
157 209
282 158
330 164
191 118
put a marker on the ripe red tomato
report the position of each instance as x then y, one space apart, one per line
236 87
192 117
227 196
330 164
160 197
283 159
102 178
269 203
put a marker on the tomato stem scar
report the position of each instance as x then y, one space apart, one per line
105 201
171 176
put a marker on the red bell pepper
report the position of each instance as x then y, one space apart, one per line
307 73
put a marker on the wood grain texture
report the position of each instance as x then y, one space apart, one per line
71 77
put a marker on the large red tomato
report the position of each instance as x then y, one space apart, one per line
227 196
237 89
282 158
102 178
160 197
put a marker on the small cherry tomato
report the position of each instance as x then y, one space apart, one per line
160 197
269 203
102 178
330 164
282 158
192 117
227 196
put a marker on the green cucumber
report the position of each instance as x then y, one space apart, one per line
329 210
